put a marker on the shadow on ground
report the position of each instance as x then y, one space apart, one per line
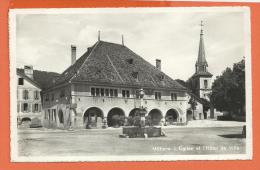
232 136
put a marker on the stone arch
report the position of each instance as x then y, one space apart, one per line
172 116
93 117
189 115
134 112
26 122
26 119
61 117
155 115
115 117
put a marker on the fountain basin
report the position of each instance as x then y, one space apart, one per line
139 132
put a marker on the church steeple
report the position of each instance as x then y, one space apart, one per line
201 64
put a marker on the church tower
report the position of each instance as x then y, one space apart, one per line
201 79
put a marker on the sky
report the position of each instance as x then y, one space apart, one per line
44 40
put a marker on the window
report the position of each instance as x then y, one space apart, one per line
135 75
111 92
173 96
102 92
161 77
206 84
25 107
125 93
92 91
158 95
36 107
130 61
25 94
115 92
107 92
20 81
97 91
36 95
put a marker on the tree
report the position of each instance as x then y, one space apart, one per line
193 105
228 90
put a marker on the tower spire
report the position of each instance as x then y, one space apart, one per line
201 64
201 27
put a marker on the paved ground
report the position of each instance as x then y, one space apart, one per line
210 140
214 123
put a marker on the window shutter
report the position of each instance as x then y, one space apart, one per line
39 107
18 107
33 108
30 94
22 108
24 91
29 107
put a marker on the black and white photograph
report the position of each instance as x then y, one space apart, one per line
130 84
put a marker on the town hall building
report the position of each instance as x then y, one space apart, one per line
107 82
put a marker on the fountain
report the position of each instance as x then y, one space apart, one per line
139 127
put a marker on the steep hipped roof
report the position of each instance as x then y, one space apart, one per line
110 63
42 79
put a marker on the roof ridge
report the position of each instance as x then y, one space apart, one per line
84 61
112 43
114 67
29 79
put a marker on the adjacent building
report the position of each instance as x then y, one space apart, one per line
29 86
28 96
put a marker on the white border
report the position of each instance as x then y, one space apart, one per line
13 99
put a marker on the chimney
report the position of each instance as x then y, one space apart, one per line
28 71
158 64
98 35
123 43
73 54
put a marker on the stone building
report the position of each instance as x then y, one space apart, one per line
28 97
106 82
30 83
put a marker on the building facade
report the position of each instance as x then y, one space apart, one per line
109 85
28 97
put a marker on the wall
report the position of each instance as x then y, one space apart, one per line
204 92
81 100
